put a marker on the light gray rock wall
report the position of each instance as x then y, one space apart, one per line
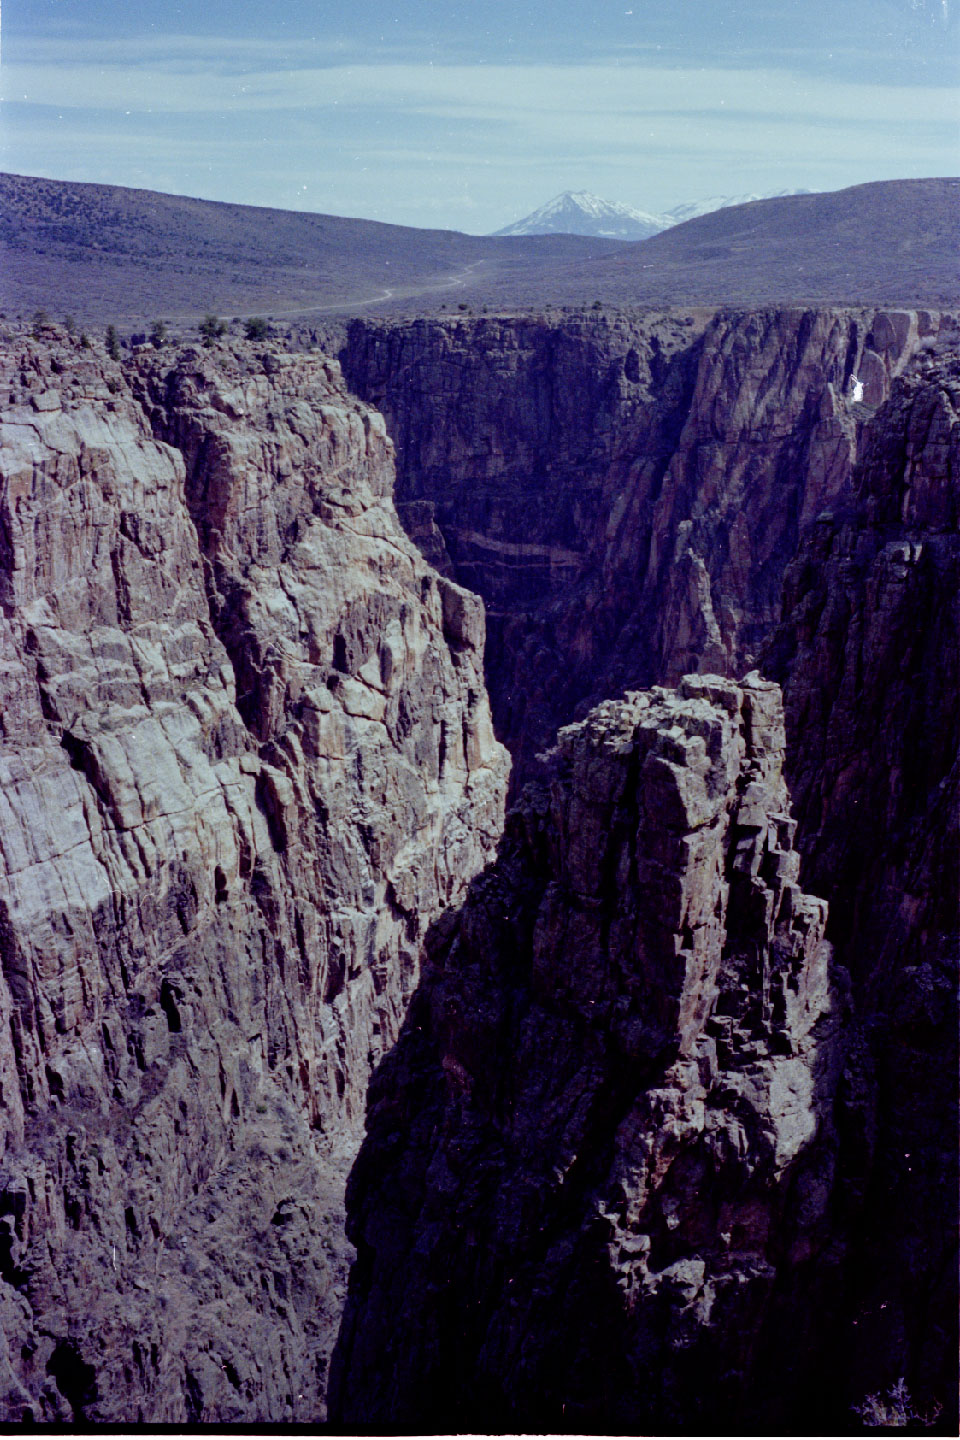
246 759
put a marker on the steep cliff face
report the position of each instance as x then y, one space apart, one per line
625 492
819 534
870 654
246 759
597 1173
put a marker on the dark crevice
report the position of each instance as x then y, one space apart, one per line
74 1377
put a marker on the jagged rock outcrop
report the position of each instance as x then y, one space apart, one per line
624 491
870 653
596 1184
246 759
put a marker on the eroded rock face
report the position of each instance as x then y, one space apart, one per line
598 1162
869 648
246 759
625 492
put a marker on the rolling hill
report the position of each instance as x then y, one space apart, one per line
108 254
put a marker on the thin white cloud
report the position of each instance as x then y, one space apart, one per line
211 54
535 94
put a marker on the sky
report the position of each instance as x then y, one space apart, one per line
468 114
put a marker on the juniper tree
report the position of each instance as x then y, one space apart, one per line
211 327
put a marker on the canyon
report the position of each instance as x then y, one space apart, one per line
625 492
773 521
667 1136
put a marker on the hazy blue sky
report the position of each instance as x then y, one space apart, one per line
468 115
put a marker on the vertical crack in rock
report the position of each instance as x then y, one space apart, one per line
598 1161
225 679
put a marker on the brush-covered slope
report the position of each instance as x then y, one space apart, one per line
107 254
112 255
889 242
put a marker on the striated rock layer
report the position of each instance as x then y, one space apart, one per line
595 1189
246 759
870 650
625 491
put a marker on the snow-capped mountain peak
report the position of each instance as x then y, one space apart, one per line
577 212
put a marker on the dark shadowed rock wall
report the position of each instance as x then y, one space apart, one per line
870 652
625 492
700 496
596 1183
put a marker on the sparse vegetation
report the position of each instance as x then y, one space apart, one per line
894 1411
70 324
84 341
211 328
164 254
158 334
40 322
256 328
113 342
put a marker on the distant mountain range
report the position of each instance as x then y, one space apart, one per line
694 208
578 212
